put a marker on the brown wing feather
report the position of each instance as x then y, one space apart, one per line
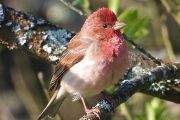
73 55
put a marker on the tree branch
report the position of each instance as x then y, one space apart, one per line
48 42
69 5
32 35
172 8
144 83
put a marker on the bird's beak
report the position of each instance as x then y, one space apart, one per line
119 25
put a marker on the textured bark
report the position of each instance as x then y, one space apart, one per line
33 35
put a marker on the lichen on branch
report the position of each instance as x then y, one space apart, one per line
141 82
34 35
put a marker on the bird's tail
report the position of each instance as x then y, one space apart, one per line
53 106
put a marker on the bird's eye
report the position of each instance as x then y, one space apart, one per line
105 26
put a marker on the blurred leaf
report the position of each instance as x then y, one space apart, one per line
129 14
136 26
140 28
114 5
150 112
177 1
155 110
86 4
82 3
140 117
77 2
111 89
155 103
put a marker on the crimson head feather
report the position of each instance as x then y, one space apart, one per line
101 23
103 26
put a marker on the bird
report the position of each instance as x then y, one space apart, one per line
96 58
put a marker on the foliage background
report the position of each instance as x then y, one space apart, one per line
23 78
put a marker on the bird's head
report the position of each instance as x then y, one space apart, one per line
102 24
103 27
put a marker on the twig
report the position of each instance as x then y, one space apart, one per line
24 93
69 5
172 9
45 89
141 49
124 109
166 41
41 79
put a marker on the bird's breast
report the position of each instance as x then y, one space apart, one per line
92 75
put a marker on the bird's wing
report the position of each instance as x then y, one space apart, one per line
71 56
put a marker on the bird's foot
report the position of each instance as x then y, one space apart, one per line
94 111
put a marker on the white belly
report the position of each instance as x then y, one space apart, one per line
90 77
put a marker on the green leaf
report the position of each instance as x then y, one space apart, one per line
128 14
140 117
136 26
111 89
155 110
76 2
150 112
177 1
114 5
155 103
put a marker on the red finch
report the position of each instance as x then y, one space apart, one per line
96 58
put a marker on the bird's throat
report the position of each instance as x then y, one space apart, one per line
111 49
